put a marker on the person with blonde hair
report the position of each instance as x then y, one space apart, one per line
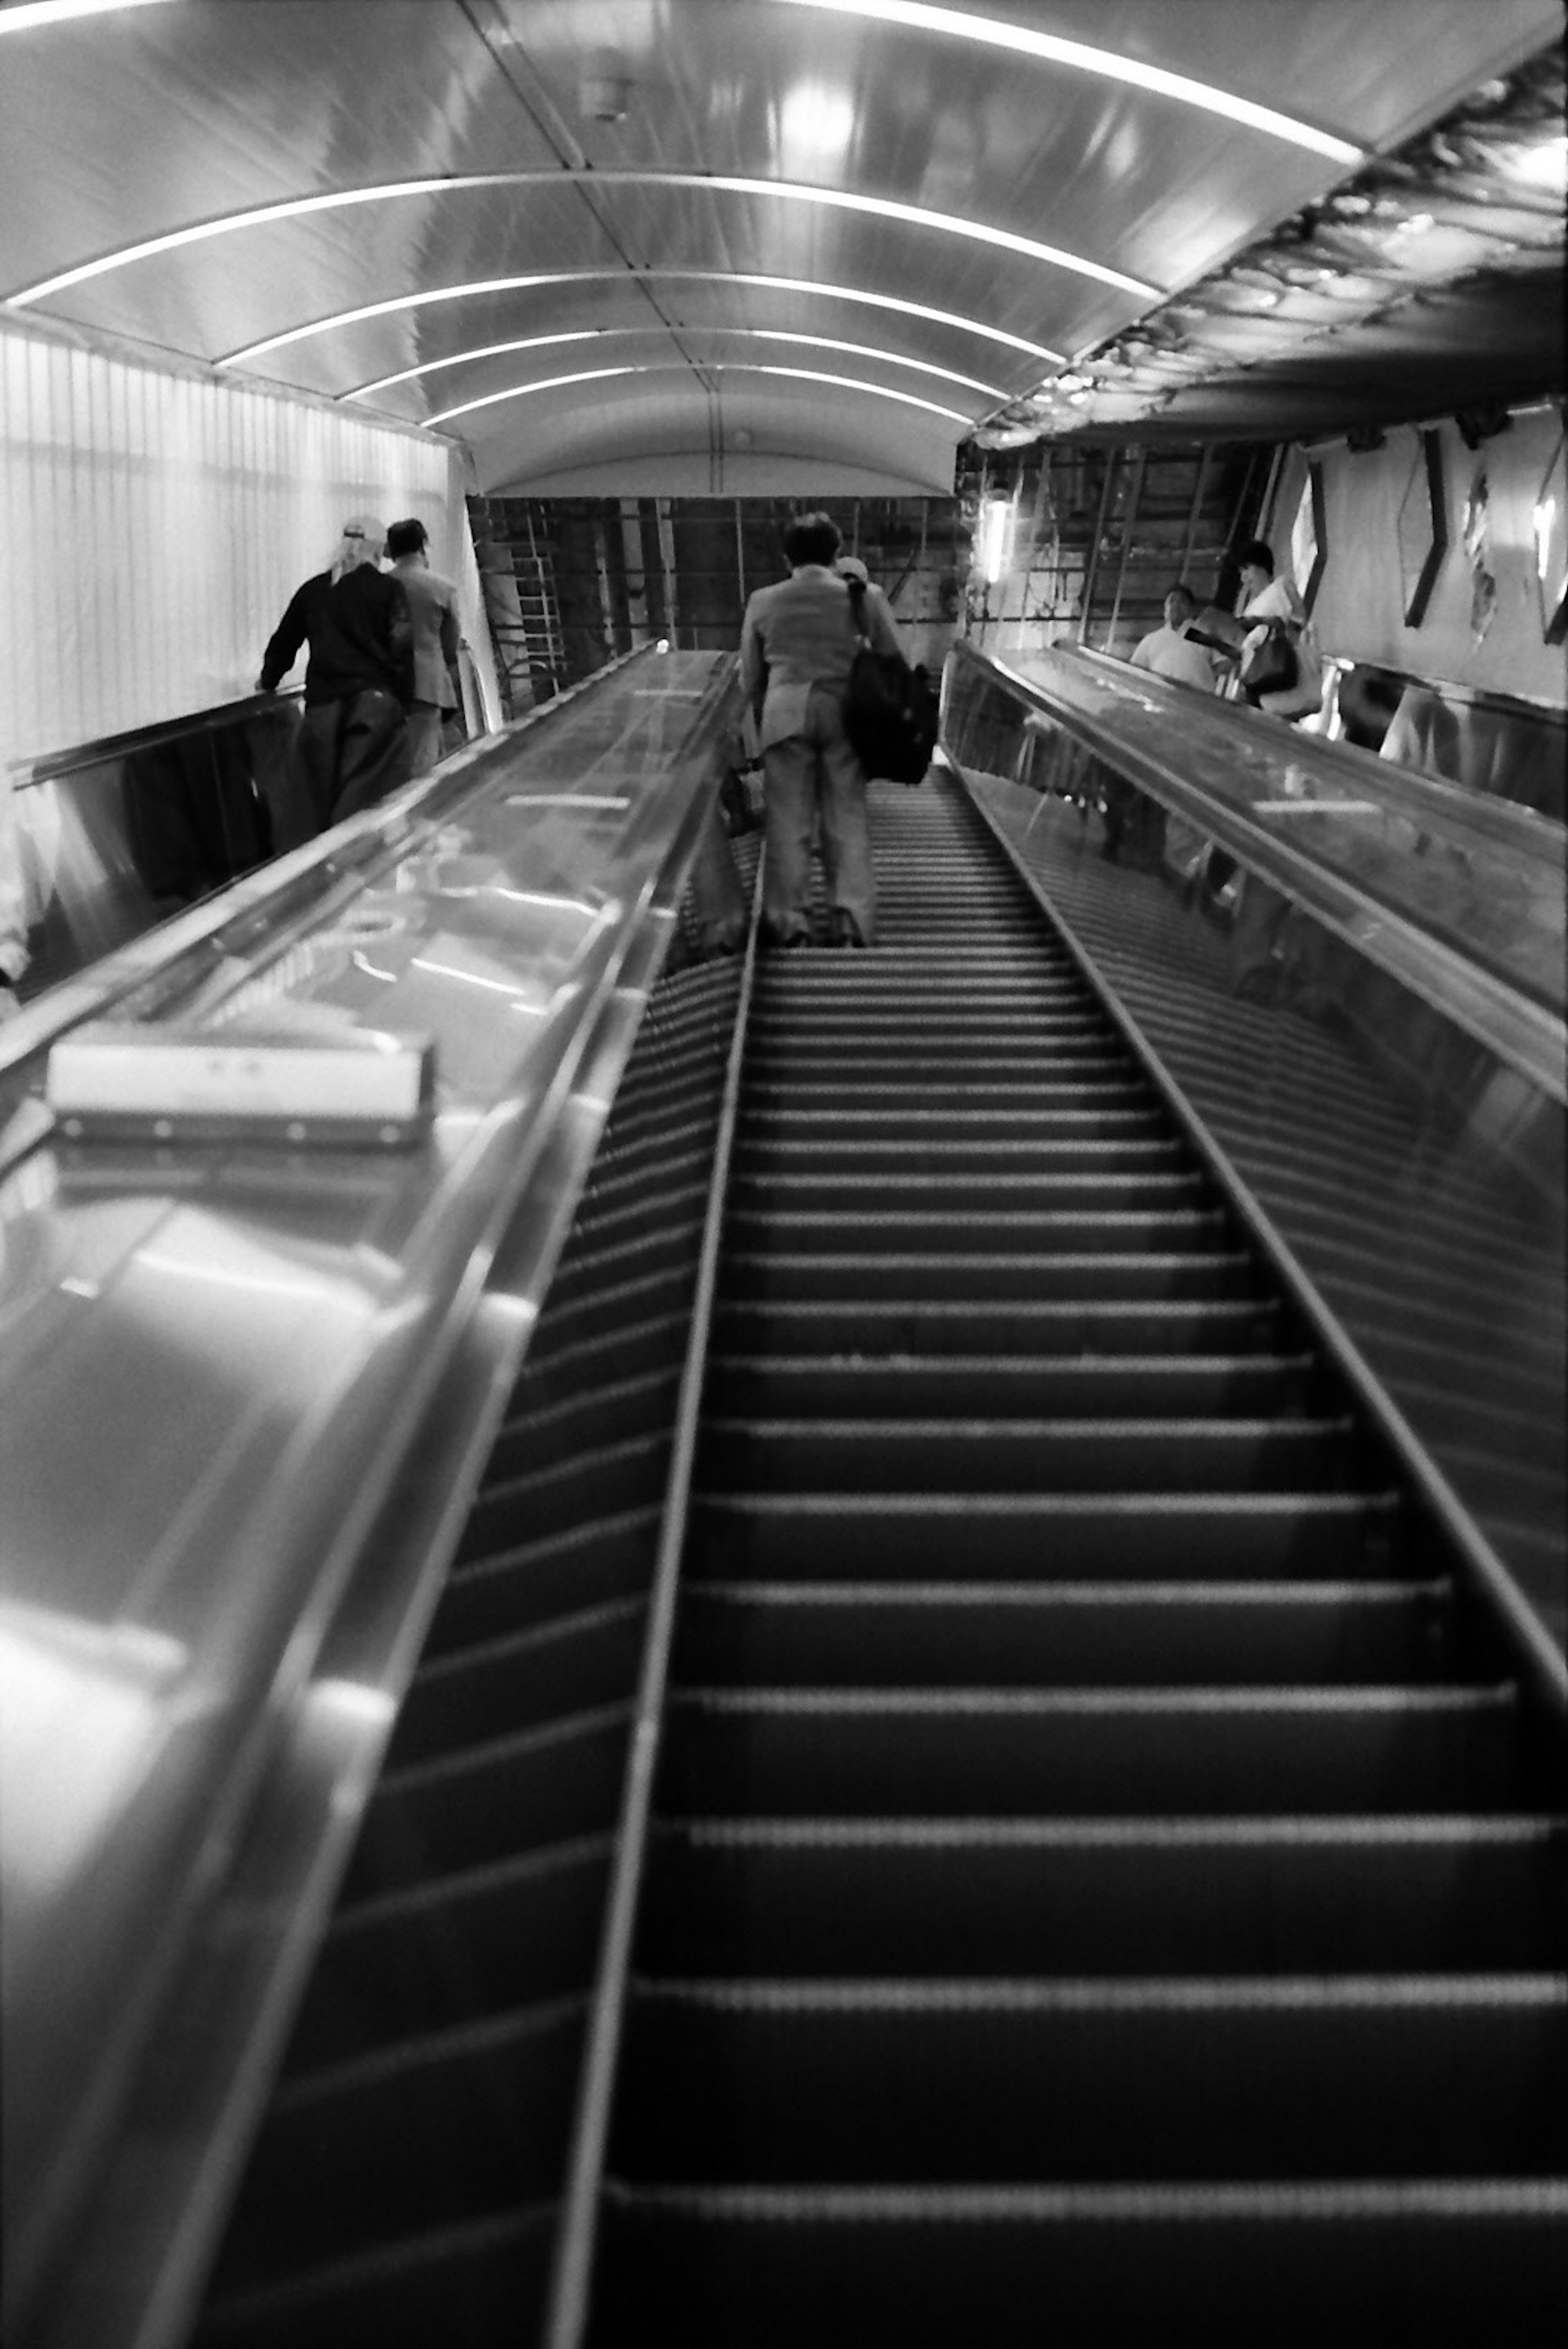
353 745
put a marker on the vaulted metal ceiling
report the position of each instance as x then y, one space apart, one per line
571 231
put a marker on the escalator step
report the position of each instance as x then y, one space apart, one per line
1085 1537
980 1231
1000 1456
895 1277
785 1897
871 1329
993 2082
1160 1386
1062 1635
1196 2267
1089 1752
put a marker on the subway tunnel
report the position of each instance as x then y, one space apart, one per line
741 1646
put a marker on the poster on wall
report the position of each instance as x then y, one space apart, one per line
1477 554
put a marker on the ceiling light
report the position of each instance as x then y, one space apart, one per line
787 190
28 15
1542 166
1052 50
884 208
995 528
482 351
607 334
597 375
638 277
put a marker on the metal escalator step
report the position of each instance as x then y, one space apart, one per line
874 1330
990 2081
793 1753
1042 1634
1448 2263
501 1591
1034 1277
786 1151
829 1386
889 1128
997 1456
1084 1536
977 1231
1121 1896
517 1682
422 2135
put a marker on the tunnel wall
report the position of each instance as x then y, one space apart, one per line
1372 503
155 525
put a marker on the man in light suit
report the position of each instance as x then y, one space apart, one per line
798 642
432 606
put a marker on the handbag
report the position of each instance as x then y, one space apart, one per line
890 712
1270 667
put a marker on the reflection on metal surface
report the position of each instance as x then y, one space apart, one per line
484 286
81 1713
597 375
788 190
1052 49
31 16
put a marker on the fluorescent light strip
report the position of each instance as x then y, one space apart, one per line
785 191
1051 49
607 334
641 276
32 15
599 375
488 351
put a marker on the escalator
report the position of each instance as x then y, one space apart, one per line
1104 1875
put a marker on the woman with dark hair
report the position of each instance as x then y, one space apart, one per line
798 642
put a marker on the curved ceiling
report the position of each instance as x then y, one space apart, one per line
568 231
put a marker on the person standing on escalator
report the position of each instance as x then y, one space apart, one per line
353 743
798 643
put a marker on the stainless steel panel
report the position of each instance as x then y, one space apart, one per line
210 1357
129 126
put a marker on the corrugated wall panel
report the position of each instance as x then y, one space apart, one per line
157 524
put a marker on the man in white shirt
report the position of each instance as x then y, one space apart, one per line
1169 651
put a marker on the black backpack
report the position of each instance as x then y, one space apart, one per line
889 709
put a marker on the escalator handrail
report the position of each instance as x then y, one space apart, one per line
1490 820
1529 1036
294 886
1534 1642
325 1514
55 766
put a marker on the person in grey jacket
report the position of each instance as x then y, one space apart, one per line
798 641
433 607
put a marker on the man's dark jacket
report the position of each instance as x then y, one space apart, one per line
359 632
